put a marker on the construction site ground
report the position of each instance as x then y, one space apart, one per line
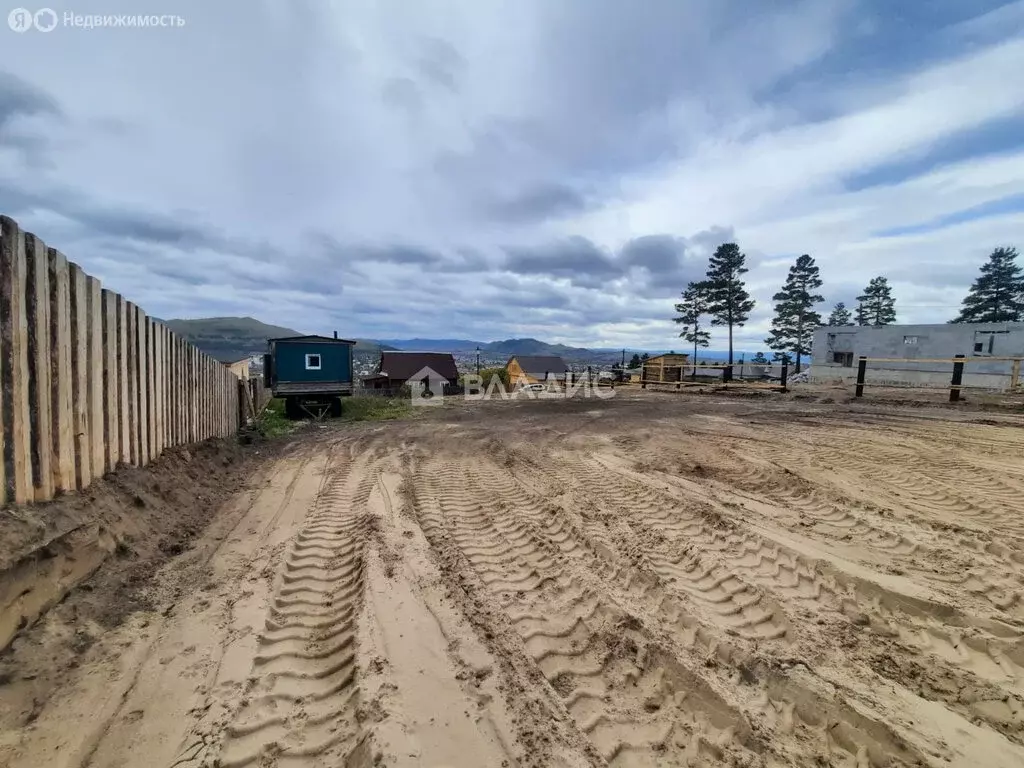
651 579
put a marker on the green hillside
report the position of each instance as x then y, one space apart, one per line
531 347
232 338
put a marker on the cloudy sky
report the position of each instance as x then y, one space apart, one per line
493 168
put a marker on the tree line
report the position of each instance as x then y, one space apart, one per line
721 299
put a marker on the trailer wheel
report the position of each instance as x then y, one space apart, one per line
292 409
336 407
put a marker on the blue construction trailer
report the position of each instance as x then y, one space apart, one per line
312 373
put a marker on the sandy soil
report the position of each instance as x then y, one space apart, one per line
651 580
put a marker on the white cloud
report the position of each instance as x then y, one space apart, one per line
296 148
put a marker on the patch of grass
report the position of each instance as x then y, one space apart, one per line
272 422
374 408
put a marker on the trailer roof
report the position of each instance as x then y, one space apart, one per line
314 337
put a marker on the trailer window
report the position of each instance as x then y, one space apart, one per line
312 362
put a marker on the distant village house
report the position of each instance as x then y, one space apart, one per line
396 368
238 367
536 369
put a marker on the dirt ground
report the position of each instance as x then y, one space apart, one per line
649 580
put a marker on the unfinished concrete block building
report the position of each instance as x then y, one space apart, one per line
917 355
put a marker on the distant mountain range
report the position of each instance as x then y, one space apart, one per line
232 338
525 346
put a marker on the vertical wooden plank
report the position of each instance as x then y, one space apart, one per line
4 280
62 412
123 408
97 415
188 394
162 335
151 380
79 372
14 332
143 332
158 403
174 382
199 396
224 400
42 437
164 413
204 399
229 381
204 402
132 380
161 401
193 362
219 384
213 397
111 398
179 391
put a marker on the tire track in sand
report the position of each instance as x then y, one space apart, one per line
968 656
821 723
299 707
635 702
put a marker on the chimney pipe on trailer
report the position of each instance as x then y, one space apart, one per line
335 334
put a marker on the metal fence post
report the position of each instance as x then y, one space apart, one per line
785 375
958 377
862 370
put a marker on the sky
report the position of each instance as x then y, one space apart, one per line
503 168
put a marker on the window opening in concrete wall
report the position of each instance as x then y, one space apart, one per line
985 342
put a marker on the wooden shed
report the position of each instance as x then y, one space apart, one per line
536 369
238 367
665 369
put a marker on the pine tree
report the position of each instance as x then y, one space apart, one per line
634 361
729 303
795 319
691 309
997 296
877 306
840 316
759 359
645 357
782 357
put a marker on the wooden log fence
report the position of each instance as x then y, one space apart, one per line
955 386
88 380
681 380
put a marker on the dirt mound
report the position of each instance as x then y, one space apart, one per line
90 556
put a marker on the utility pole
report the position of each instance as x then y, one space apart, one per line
478 361
623 359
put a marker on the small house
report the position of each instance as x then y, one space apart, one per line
665 369
536 369
397 367
311 372
238 367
